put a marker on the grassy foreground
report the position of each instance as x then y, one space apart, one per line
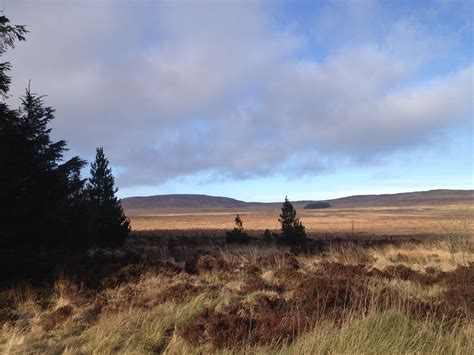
342 297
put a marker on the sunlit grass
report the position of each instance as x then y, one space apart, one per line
140 315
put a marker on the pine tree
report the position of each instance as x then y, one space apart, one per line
8 36
108 223
10 135
39 188
237 235
238 223
39 191
51 185
292 230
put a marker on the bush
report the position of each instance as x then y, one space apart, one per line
317 205
270 237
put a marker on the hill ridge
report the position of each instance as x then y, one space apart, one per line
202 201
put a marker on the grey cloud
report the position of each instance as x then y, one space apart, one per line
173 90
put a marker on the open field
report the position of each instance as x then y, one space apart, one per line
424 220
198 295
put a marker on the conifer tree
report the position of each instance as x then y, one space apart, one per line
10 136
108 223
292 230
237 235
51 184
39 190
238 223
9 34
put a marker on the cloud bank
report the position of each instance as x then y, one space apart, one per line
245 89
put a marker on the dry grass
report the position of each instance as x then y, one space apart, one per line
410 220
346 298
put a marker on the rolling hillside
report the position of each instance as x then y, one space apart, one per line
135 205
183 201
432 197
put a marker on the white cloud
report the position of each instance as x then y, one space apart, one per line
173 89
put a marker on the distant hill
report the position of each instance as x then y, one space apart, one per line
180 201
188 202
432 197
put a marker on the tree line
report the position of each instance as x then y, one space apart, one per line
44 200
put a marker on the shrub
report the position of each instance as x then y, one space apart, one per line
317 205
270 237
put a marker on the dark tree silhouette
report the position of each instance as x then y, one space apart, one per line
270 237
237 235
8 36
108 223
10 136
43 200
53 184
292 230
39 189
238 223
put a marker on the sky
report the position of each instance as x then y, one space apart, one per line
256 100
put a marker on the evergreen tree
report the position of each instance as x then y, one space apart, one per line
10 135
38 190
292 230
108 223
238 223
8 36
237 235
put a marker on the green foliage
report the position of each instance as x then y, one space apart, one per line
237 235
108 223
292 230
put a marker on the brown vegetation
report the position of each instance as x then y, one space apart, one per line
162 296
419 221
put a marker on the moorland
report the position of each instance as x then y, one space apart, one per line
428 214
181 289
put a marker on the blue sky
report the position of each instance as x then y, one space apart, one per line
258 99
